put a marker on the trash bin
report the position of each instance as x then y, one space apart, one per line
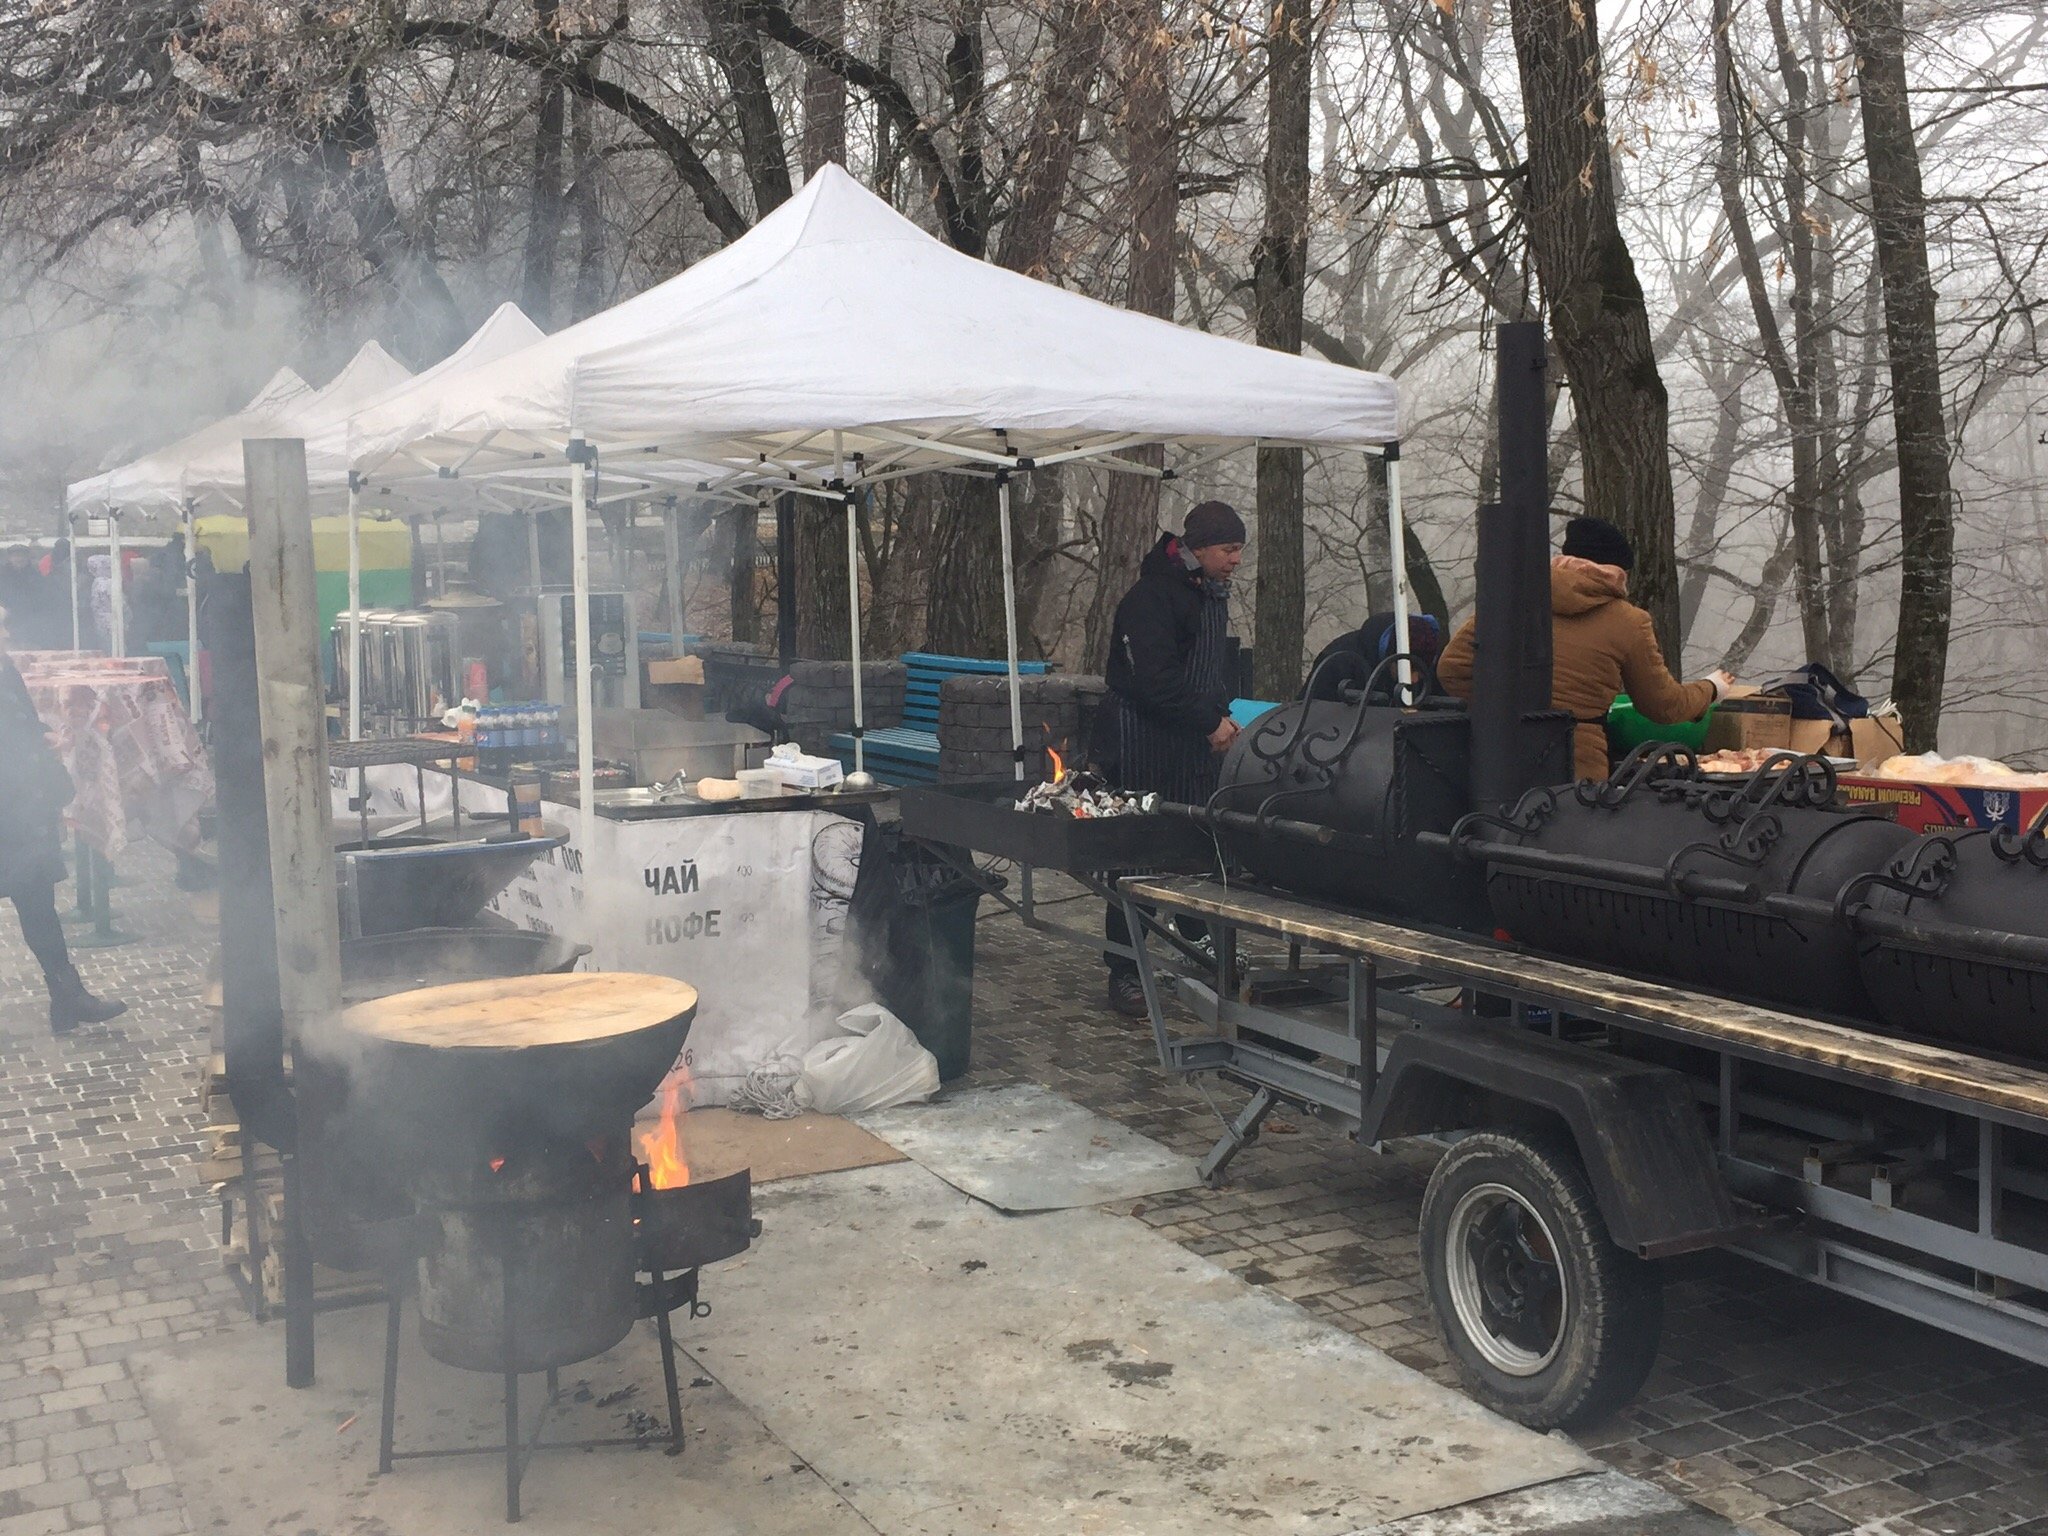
925 973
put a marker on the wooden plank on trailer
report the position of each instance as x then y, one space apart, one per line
1763 1032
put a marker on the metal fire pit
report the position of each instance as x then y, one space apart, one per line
982 816
418 880
503 1109
377 965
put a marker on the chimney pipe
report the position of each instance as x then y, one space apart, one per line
1511 628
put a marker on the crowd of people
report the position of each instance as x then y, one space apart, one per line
35 591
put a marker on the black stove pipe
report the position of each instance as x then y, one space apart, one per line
252 1013
1511 661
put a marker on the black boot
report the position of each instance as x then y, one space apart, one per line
1126 995
71 1005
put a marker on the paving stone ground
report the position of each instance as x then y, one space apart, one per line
1783 1406
1775 1403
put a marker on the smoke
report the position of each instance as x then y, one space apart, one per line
128 347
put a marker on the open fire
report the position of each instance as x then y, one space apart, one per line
661 1148
1081 795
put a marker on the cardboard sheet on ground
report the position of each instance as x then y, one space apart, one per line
254 1458
1027 1149
950 1369
717 1142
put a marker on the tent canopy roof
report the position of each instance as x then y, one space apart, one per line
837 328
157 478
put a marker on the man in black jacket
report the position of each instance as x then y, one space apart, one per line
1167 721
34 789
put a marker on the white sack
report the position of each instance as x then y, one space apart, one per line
878 1065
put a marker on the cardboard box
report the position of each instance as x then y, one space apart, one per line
680 669
1747 719
1931 807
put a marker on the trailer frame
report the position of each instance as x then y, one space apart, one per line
1893 1183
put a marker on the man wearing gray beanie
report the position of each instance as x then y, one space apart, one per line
1166 722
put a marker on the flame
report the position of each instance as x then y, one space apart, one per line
661 1148
1059 765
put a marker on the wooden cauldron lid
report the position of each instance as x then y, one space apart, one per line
518 1012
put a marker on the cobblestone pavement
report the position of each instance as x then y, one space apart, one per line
1774 1403
1778 1404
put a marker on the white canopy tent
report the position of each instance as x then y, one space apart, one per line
152 487
205 467
505 331
838 345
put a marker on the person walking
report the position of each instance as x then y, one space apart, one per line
1167 721
34 789
1601 645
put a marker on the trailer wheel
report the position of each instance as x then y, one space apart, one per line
1547 1321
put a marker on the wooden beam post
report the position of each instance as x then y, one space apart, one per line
291 703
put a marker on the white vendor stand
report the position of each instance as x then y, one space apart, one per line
745 904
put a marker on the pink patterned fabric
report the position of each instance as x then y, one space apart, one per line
123 733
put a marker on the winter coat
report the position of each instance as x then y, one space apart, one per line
1601 645
1167 689
34 789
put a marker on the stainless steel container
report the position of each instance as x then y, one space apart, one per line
376 648
423 653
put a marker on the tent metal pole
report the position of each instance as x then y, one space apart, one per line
1010 624
117 619
1397 547
195 706
533 547
355 609
71 559
860 719
586 708
672 561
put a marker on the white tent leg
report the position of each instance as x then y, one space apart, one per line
1397 545
355 611
117 617
196 706
860 719
1010 624
586 706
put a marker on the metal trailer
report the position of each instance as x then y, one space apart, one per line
1596 1124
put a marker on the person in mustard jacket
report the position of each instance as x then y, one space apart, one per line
1601 645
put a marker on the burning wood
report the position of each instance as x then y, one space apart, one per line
1083 795
661 1148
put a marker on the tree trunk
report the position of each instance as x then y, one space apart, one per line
961 601
1898 221
737 47
589 204
823 628
1130 514
824 141
544 205
1597 314
1278 280
743 546
427 326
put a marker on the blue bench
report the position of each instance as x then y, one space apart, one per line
909 754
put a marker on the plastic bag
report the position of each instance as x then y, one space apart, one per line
878 1063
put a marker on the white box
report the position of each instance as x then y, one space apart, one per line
804 772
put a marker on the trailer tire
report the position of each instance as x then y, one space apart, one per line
1546 1320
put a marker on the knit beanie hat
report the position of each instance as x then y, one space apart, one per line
1213 522
1597 540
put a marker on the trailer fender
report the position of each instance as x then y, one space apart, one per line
1635 1125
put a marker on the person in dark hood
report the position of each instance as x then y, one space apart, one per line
1167 721
1365 648
34 789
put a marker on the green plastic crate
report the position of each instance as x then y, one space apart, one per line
1628 728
